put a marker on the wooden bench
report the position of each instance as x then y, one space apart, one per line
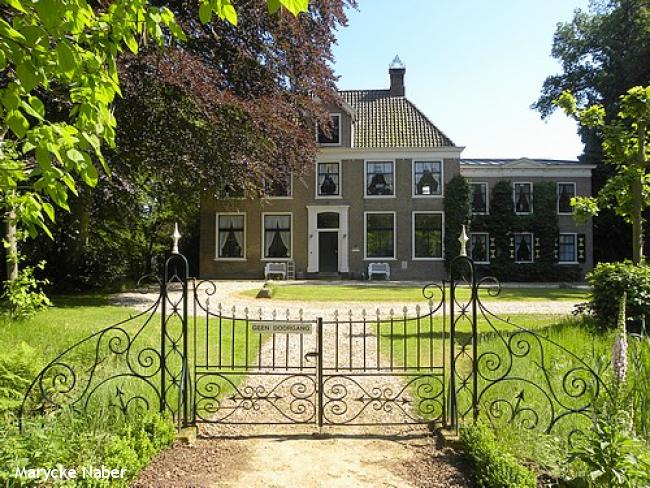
379 268
275 269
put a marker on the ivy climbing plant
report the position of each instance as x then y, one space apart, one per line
501 224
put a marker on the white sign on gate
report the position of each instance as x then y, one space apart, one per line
286 327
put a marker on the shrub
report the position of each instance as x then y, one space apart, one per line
612 456
457 213
24 296
18 368
74 441
608 282
494 466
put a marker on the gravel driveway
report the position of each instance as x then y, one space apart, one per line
229 294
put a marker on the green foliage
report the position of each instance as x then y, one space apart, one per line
494 466
608 283
611 455
60 65
72 441
639 385
626 145
24 297
502 222
18 367
457 211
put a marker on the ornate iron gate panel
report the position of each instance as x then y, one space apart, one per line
385 370
245 374
344 371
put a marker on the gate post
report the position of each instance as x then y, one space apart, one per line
175 270
472 307
319 373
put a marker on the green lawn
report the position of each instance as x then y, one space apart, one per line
73 318
408 293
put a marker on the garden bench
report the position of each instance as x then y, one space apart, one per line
379 268
275 269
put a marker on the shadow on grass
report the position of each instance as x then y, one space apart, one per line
85 300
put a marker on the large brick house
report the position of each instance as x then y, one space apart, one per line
376 194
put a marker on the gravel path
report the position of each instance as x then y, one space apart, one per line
258 456
251 458
229 293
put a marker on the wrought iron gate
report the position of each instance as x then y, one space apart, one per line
256 369
201 361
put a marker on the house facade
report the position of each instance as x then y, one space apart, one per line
376 194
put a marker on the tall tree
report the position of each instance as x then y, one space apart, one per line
229 109
603 52
626 146
58 79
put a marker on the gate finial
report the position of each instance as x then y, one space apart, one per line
463 241
175 238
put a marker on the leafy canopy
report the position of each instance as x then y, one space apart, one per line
626 140
58 79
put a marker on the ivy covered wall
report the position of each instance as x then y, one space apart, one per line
502 223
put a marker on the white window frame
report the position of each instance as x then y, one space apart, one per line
575 248
487 198
557 196
442 178
317 196
486 234
532 246
263 249
216 247
426 212
289 197
365 177
332 144
514 201
365 235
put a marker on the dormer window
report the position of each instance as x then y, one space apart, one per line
280 188
335 132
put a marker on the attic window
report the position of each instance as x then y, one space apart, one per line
335 137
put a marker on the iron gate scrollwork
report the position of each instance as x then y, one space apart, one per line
510 374
203 362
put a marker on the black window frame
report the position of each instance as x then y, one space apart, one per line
323 140
574 248
472 237
485 198
414 236
337 181
559 185
438 176
515 195
391 229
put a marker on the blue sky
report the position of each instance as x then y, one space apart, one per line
473 67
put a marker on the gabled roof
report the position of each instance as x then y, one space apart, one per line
385 121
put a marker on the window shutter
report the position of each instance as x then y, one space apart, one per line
537 247
512 248
582 248
493 248
556 252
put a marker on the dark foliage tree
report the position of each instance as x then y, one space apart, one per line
230 109
604 53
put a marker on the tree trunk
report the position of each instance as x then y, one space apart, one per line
637 199
12 245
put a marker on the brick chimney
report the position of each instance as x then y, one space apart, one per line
397 71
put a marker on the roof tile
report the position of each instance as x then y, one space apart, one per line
384 121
